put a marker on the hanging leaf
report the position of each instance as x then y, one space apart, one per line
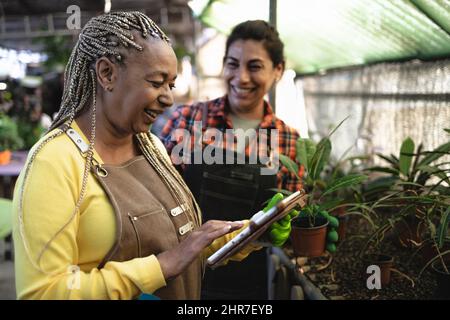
406 154
393 161
289 164
320 158
335 128
344 182
441 173
283 191
392 171
305 149
443 227
330 204
431 156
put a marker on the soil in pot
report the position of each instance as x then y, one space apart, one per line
442 279
384 261
307 240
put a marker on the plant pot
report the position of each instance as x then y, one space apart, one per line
442 279
384 262
309 241
5 157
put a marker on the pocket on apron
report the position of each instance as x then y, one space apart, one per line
153 221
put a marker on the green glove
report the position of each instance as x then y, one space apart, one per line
333 224
279 231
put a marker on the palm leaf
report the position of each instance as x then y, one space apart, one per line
289 164
320 158
443 227
441 173
393 162
305 149
431 156
405 158
392 171
335 128
344 182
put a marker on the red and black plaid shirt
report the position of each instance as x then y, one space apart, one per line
189 116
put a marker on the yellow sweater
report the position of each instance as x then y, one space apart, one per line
60 241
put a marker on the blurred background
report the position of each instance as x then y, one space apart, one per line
383 63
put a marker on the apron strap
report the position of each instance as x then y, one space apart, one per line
76 138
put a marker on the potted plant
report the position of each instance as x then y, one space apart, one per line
384 261
9 138
314 217
408 189
309 232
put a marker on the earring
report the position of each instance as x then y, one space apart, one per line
109 89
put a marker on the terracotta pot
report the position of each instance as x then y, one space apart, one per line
5 157
309 241
384 261
443 280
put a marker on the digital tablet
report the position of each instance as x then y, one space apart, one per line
259 223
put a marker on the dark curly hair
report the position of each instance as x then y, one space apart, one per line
259 30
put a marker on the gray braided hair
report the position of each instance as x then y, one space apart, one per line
105 35
101 36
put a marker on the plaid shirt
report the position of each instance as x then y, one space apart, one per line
189 116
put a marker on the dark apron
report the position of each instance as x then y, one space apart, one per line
232 192
148 220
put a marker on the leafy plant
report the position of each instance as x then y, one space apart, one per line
412 170
416 194
315 158
9 135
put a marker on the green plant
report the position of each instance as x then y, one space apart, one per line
323 188
9 135
57 48
30 132
412 170
439 239
415 193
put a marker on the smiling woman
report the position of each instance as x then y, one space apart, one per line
99 211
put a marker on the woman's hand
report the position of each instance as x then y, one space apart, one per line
173 262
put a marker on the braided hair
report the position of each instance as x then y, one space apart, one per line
105 35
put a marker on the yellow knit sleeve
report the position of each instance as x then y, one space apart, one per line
47 247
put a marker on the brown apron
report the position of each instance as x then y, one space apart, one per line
148 219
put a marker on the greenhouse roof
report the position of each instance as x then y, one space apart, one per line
327 34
